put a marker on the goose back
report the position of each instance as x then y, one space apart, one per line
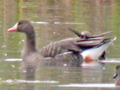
65 45
59 47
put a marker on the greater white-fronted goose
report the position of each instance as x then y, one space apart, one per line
68 50
31 56
56 50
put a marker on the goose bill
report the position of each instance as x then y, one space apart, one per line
14 28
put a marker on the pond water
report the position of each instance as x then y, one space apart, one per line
51 20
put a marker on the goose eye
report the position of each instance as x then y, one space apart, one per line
19 23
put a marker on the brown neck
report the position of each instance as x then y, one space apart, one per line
30 42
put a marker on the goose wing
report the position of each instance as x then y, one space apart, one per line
69 44
59 47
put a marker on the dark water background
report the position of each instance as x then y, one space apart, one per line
52 18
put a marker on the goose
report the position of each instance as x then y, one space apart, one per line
66 47
31 55
67 50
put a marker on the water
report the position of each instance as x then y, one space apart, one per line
51 19
50 77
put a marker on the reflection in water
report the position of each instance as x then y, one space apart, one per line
64 75
30 72
89 85
45 23
93 73
29 87
27 84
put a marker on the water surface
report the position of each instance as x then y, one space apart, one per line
51 19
